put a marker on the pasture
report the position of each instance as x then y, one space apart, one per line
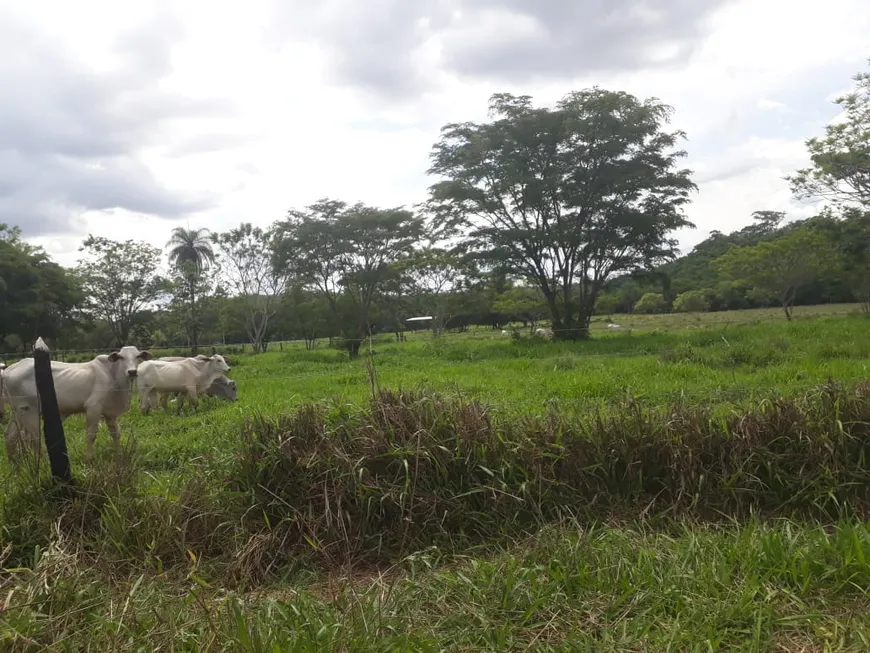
657 488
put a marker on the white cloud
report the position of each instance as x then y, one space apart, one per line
772 105
748 92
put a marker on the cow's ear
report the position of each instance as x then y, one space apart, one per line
145 355
202 357
114 357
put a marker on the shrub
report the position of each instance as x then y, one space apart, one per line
651 302
692 301
606 303
410 470
414 470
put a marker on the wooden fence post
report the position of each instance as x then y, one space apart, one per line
55 441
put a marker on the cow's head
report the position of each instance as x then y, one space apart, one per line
129 358
217 361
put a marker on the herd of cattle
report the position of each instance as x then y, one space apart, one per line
102 388
548 333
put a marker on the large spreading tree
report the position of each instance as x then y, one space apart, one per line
565 197
840 170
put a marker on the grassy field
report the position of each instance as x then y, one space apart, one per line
683 484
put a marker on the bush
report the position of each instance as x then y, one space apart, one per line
414 470
606 304
693 301
729 296
651 302
360 484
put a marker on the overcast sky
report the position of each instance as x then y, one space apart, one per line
126 119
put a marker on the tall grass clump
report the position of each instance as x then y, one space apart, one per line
416 469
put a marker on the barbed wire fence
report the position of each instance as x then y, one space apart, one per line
634 326
369 374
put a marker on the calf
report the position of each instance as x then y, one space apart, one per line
100 388
221 387
190 377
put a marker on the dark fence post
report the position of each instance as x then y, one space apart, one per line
55 441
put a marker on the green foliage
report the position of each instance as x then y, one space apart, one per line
691 301
567 197
304 313
192 247
246 255
651 302
525 304
782 266
346 253
608 303
37 296
190 287
840 170
851 234
120 281
435 278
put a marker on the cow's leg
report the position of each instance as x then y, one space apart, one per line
164 400
22 432
92 424
115 431
191 396
145 398
13 440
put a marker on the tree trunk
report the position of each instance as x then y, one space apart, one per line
354 347
787 299
194 335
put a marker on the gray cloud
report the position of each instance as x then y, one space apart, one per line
70 138
376 45
571 38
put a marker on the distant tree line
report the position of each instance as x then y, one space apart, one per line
552 214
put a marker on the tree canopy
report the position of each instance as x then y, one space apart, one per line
780 267
537 212
840 170
564 197
345 254
120 280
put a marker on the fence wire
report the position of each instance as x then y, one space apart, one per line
473 333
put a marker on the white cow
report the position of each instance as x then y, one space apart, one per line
545 333
99 388
190 376
221 387
613 326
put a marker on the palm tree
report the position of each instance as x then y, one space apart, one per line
190 246
190 252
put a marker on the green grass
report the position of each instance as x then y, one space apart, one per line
730 365
781 586
727 476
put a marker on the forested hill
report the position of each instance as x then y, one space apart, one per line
842 245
